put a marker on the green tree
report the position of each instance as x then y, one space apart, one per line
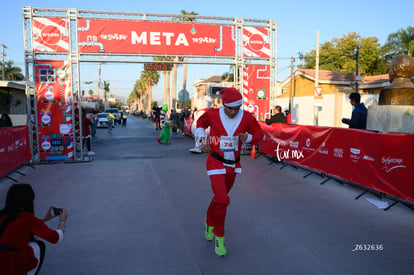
400 42
11 72
339 55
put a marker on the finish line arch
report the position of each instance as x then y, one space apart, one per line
57 41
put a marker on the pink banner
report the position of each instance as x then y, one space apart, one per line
383 162
14 148
150 37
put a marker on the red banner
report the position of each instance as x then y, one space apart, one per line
383 162
187 123
256 90
149 37
54 104
14 148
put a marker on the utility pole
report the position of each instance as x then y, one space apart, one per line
99 81
292 59
3 53
357 68
316 105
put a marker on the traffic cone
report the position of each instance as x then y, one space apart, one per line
253 153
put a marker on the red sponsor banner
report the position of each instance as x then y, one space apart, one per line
256 90
50 35
54 104
383 162
256 42
14 148
188 122
150 37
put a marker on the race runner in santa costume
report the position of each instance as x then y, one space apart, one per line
230 127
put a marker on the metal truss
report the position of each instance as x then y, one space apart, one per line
75 58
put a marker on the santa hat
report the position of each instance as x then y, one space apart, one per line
231 97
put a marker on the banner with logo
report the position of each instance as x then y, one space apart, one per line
50 35
152 38
256 90
256 42
14 148
54 105
383 162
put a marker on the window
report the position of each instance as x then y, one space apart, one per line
47 75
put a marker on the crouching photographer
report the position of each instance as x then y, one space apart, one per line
20 252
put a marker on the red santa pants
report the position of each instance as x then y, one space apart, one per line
216 212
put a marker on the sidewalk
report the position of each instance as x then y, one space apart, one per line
139 208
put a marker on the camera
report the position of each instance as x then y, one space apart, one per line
57 211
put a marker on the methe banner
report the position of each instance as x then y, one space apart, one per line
54 104
150 37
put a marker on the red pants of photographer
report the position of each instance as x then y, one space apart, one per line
216 212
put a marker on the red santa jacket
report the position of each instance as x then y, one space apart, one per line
223 129
17 236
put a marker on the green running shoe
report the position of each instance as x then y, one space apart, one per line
209 232
220 247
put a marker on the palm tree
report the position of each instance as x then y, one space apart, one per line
149 78
139 92
166 78
187 17
11 72
106 92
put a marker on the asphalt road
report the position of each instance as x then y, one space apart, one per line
139 208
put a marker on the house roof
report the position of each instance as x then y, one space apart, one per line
337 77
18 85
211 79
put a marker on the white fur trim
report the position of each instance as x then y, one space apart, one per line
216 172
234 103
60 232
224 118
238 170
249 138
200 132
36 252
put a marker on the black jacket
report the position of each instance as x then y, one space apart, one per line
277 118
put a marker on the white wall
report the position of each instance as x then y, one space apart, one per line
333 108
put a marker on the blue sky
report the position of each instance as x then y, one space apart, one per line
297 23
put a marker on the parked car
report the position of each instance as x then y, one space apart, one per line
102 121
116 113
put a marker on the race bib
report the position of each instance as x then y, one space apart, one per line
229 144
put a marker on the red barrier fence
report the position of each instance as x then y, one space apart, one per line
382 162
14 148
